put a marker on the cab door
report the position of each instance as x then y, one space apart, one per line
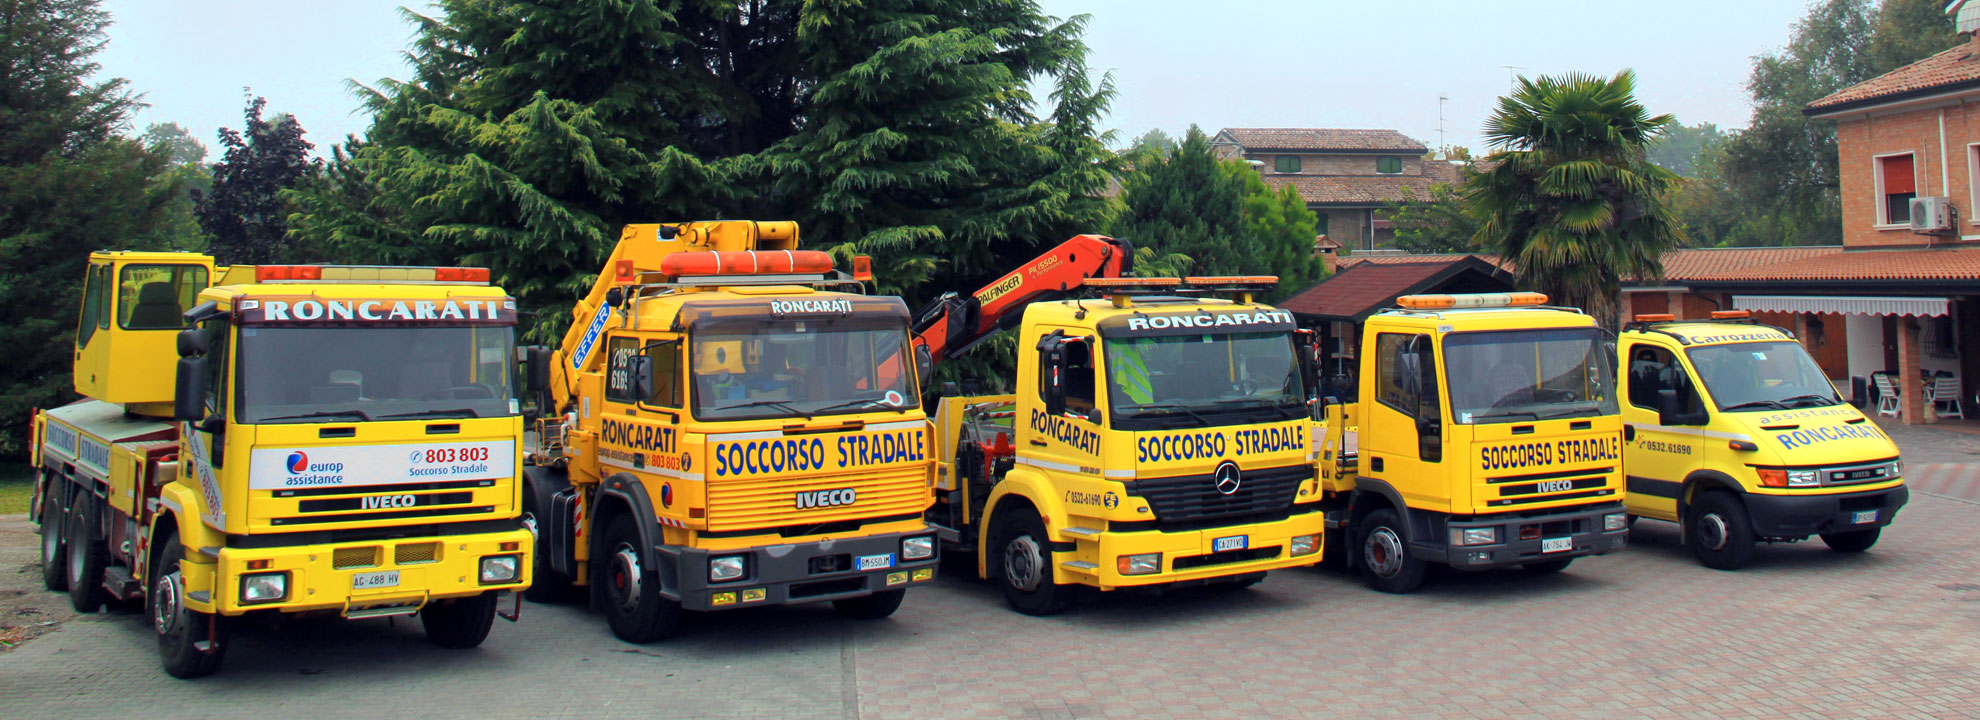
1402 443
1067 441
1657 457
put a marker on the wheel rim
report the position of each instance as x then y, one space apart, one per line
167 612
1383 551
626 577
1022 562
77 560
1712 532
51 540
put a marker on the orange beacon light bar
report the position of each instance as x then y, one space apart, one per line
1472 300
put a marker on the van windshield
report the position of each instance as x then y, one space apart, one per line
345 374
798 371
1190 377
1772 375
1526 375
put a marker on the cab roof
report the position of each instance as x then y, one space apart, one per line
1487 318
1710 333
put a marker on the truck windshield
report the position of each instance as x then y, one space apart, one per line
1193 378
1762 376
781 373
331 374
1527 375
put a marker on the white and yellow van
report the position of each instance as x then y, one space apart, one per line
1732 431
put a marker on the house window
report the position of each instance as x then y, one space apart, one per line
1388 165
1287 164
1896 182
1321 226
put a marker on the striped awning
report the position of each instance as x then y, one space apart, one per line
1843 304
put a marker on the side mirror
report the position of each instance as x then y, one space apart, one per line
192 342
949 389
639 370
1409 367
1052 369
924 364
536 359
1670 412
1093 416
189 388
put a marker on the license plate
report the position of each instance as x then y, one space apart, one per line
1553 545
875 562
370 580
1861 517
1239 542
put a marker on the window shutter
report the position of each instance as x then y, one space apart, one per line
1898 177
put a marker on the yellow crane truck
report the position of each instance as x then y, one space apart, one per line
1485 435
1737 435
1155 436
290 439
732 423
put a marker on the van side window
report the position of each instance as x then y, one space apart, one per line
96 301
1080 377
666 358
217 331
1652 368
1415 394
618 380
154 297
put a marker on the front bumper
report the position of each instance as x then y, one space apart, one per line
1581 526
1190 554
1799 516
796 573
322 577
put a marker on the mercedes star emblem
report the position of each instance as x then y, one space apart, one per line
1228 478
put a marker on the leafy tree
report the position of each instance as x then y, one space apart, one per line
244 211
70 183
1185 204
1276 234
180 230
1572 199
1154 141
1436 223
1679 149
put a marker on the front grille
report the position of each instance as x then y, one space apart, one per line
1226 557
415 553
765 504
354 557
1264 495
1853 474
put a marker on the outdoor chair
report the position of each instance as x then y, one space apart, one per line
1887 395
1946 390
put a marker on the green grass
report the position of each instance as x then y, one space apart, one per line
16 484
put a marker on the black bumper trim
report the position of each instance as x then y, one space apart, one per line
784 572
1800 516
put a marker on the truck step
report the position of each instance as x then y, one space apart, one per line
1085 532
121 585
1080 565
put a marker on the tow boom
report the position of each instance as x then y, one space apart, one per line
954 323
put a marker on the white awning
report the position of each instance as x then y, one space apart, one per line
1843 304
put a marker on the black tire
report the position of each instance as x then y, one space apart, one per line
1385 561
545 585
1021 563
871 607
180 629
460 624
629 591
1547 568
54 548
1854 541
1719 531
87 558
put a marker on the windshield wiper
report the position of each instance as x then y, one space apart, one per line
1140 410
1826 399
1528 414
1776 404
359 414
432 413
861 403
786 406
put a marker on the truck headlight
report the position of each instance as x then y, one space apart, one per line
918 548
726 568
1144 564
264 587
1803 478
499 569
1305 544
1615 521
1462 537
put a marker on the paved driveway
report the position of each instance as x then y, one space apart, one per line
1802 633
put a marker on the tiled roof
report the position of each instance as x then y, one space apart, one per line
1364 288
1367 189
1323 139
1863 265
1694 263
1379 257
1953 66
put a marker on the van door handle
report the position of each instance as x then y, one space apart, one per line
1038 442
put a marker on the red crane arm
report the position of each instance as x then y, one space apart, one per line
954 323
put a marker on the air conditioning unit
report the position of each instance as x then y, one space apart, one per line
1933 215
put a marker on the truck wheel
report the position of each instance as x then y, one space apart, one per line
180 629
87 558
1386 563
545 585
1547 568
1022 561
54 550
1854 541
631 590
460 624
1719 531
871 607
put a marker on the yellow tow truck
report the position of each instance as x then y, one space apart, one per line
292 439
732 423
1736 434
1156 434
1485 435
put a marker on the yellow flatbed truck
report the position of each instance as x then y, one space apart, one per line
1736 434
292 439
732 423
1485 435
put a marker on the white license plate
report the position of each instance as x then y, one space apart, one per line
1552 545
1230 543
370 580
1861 517
875 562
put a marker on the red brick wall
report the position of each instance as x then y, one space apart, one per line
1862 137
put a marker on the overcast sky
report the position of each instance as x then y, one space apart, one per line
1248 63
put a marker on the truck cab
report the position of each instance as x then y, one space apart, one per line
1485 435
1736 434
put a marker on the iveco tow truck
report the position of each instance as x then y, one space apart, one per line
1737 435
732 424
293 439
1485 435
1156 435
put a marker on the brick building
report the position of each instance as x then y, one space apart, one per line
1347 177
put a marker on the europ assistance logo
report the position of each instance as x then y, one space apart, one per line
298 463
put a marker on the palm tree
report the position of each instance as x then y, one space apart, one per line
1571 198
